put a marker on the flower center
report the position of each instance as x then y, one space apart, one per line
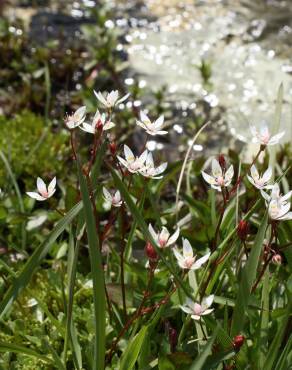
220 180
189 262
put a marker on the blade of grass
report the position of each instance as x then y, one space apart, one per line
264 319
133 349
35 259
248 276
201 359
17 348
97 275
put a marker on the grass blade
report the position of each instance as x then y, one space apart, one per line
97 275
207 350
17 348
248 277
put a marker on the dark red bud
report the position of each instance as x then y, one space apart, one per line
222 161
151 252
113 148
238 342
242 230
172 335
277 259
99 125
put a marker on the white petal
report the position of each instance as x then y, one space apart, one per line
41 186
159 122
112 97
286 217
251 180
87 128
229 174
196 317
149 160
100 97
207 302
268 174
174 237
201 261
161 132
152 232
79 114
143 156
179 257
36 196
286 197
52 185
128 154
124 163
254 172
107 194
123 98
207 312
108 126
161 168
209 179
275 139
186 309
216 168
187 249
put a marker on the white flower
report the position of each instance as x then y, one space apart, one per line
260 182
152 128
115 199
110 99
263 135
279 211
150 171
75 119
278 205
219 179
275 195
163 239
197 310
97 119
132 163
187 260
43 192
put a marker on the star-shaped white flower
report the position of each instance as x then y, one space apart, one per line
218 178
150 170
279 211
110 99
263 135
76 119
197 310
163 239
260 182
132 163
276 195
98 119
113 199
43 192
187 260
152 128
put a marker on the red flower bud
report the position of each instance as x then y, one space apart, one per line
151 252
112 147
99 125
238 342
222 161
172 335
277 259
242 230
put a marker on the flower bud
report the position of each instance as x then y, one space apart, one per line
99 125
277 259
151 252
112 147
172 336
238 342
222 161
242 230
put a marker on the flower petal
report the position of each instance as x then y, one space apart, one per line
187 249
41 186
216 168
35 195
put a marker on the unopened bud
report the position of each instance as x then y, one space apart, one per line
151 252
172 335
99 125
242 229
277 259
238 342
112 147
222 161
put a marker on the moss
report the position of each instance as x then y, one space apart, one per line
31 148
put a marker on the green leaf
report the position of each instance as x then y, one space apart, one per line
207 350
248 276
28 269
133 349
17 348
165 364
97 275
